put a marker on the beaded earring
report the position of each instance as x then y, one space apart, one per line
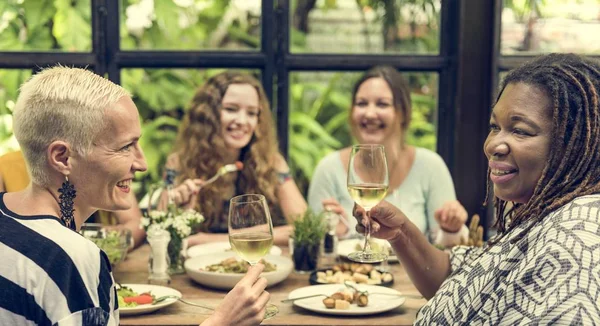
67 194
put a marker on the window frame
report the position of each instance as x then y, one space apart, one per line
276 62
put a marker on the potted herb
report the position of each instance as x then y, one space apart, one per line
309 230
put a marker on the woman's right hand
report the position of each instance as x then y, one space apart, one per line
386 221
332 205
245 304
185 194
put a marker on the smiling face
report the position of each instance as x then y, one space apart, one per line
103 178
239 115
373 116
518 145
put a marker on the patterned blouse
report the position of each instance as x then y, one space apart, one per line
550 276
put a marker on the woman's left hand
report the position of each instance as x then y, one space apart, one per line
451 216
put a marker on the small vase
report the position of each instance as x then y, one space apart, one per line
305 256
176 250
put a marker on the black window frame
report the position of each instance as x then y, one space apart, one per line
467 65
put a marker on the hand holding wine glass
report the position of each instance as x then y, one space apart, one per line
368 183
251 231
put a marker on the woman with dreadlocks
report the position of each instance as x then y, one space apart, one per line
543 266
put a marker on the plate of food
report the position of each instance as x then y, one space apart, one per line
338 299
352 272
345 247
136 299
219 247
224 270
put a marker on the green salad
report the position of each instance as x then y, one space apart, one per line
125 292
112 246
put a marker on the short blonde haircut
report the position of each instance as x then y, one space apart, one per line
61 103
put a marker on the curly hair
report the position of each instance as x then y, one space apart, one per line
399 88
200 147
572 84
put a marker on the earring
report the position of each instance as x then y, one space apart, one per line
67 194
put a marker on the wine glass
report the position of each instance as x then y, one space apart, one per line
368 183
251 231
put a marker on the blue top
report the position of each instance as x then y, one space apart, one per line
426 188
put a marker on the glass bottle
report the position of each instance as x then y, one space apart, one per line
329 254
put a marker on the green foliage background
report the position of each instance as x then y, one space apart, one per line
318 104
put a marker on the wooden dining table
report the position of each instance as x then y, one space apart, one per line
134 269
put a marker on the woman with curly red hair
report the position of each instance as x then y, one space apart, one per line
229 120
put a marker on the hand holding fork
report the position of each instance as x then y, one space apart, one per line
186 193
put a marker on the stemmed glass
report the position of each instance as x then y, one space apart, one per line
368 183
251 231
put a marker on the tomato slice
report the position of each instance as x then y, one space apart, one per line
143 298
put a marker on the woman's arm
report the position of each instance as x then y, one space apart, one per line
322 194
291 201
130 219
245 304
426 265
446 216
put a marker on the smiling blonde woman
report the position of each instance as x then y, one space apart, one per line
79 134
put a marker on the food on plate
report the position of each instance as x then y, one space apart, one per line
232 265
130 299
355 272
376 246
344 298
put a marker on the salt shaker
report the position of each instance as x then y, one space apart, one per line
158 264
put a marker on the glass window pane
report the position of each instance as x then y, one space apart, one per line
536 26
10 80
319 107
161 96
190 24
365 26
45 25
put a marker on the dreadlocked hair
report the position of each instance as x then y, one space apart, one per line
573 168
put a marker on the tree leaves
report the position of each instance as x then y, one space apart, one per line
71 28
37 13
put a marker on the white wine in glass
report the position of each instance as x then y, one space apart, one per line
367 195
251 231
252 246
368 183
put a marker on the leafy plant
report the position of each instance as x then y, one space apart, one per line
309 229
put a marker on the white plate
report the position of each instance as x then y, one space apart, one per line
215 247
157 291
226 281
377 303
345 247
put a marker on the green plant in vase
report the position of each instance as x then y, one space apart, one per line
180 224
308 234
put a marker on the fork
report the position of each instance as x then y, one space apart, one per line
165 297
237 166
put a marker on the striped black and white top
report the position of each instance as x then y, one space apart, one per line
51 275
